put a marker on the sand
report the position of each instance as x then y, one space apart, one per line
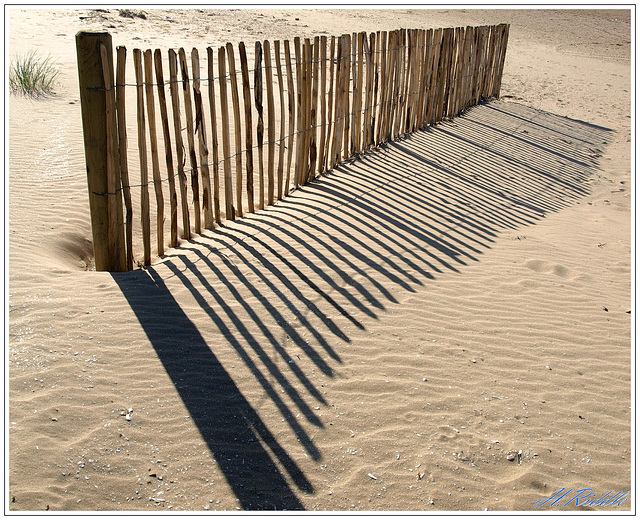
441 325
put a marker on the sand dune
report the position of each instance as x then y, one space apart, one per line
440 325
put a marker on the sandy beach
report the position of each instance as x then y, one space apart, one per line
443 324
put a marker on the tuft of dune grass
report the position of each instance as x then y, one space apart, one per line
32 75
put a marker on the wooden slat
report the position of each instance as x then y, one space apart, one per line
488 61
499 40
356 93
482 63
389 80
281 147
448 73
214 133
479 62
375 100
417 49
162 102
299 97
153 140
503 54
420 80
383 87
257 93
467 71
465 80
425 77
442 74
441 77
397 105
326 160
494 61
472 64
398 80
434 90
451 72
457 80
313 111
177 127
391 83
399 97
366 125
371 52
271 122
346 103
430 70
122 145
463 71
402 98
459 99
323 103
248 124
409 85
427 72
201 131
237 127
292 113
193 160
306 106
404 48
408 71
142 152
337 130
468 68
359 97
226 136
112 163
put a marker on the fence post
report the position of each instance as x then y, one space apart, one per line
97 101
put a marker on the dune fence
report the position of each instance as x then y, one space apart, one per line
217 140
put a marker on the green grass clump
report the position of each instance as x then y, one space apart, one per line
32 75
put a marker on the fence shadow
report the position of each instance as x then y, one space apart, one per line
288 288
228 423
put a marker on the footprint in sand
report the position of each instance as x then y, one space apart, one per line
540 266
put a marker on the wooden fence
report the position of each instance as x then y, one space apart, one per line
325 99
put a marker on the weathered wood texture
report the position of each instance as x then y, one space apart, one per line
335 99
100 143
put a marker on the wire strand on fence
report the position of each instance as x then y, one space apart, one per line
302 62
278 141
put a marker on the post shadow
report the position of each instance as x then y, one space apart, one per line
233 431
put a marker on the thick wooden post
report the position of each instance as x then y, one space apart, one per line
97 100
